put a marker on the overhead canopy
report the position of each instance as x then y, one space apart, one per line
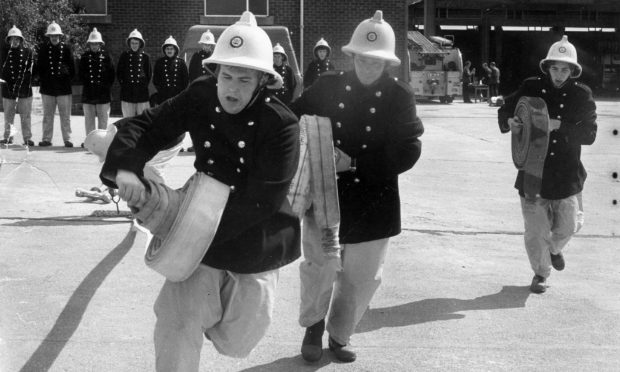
422 44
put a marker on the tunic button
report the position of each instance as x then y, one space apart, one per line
241 160
356 180
554 141
241 144
341 105
250 123
552 154
564 95
348 88
217 109
378 94
210 161
368 128
561 105
337 142
207 144
267 99
559 117
364 146
238 170
544 91
338 124
372 110
232 188
212 126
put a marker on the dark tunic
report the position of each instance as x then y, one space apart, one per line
17 72
169 77
572 104
97 75
56 69
134 73
379 128
196 69
255 152
315 69
285 94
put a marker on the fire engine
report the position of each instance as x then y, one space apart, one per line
436 67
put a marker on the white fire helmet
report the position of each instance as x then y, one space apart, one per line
562 51
279 49
53 29
246 45
135 34
95 37
170 41
373 38
14 32
207 38
322 44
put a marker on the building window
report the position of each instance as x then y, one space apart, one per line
236 7
92 7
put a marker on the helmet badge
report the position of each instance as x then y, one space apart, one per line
371 36
236 42
562 50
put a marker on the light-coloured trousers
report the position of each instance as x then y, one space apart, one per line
23 107
132 109
352 290
549 225
64 111
100 111
232 310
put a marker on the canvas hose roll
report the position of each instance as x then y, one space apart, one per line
530 145
183 223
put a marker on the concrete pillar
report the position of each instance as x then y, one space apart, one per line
430 10
484 32
499 33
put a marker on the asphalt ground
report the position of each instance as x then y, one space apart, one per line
75 294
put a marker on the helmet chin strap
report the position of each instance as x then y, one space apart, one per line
264 81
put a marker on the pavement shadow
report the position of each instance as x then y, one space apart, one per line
71 315
435 309
295 363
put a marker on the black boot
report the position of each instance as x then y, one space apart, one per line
312 345
343 353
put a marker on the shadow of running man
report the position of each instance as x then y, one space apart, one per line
435 309
71 316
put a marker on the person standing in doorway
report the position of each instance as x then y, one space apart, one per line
56 69
467 76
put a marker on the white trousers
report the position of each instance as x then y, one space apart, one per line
99 111
352 290
23 107
232 310
64 111
133 109
549 225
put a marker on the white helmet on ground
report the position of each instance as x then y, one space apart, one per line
322 43
172 42
135 34
14 32
373 38
207 38
53 29
562 51
95 37
246 45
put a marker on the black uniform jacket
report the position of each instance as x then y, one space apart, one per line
315 69
573 105
285 94
196 69
17 72
97 75
255 152
169 77
56 69
134 73
379 127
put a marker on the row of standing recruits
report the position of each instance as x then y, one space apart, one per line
249 141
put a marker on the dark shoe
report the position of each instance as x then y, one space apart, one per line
190 149
29 143
45 143
6 141
538 284
557 261
68 144
312 345
343 353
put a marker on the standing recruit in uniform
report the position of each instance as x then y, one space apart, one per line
196 67
319 64
376 134
250 143
56 69
553 216
280 65
17 88
133 72
96 72
170 72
